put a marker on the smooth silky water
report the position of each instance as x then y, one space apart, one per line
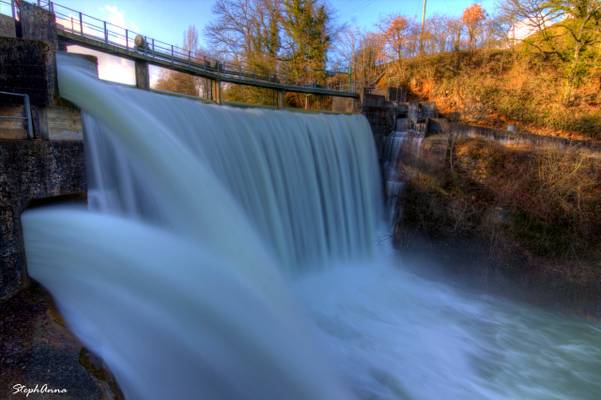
234 254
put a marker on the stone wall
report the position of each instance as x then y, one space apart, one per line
31 170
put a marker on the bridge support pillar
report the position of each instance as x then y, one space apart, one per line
38 24
142 77
216 91
281 99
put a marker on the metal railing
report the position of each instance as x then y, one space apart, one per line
26 111
88 27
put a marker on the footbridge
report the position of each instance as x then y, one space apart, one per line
76 28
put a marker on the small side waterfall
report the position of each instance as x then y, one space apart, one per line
405 141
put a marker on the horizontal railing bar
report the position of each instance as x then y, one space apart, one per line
12 117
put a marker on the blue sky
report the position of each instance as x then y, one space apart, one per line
167 19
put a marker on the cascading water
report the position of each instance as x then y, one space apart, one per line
231 254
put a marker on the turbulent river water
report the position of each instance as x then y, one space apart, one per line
240 254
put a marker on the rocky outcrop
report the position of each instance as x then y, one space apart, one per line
37 349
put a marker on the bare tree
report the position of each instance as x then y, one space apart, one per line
473 18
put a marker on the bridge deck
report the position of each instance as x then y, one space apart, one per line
197 69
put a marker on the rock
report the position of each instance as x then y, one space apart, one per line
36 348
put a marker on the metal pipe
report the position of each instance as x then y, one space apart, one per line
26 110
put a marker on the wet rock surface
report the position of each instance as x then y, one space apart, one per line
37 348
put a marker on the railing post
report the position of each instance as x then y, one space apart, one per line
171 54
153 46
12 9
28 116
80 23
51 7
127 39
350 78
72 25
189 56
106 33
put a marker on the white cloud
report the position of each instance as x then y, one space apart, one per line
117 17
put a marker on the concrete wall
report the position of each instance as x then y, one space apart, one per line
25 68
7 26
344 105
381 116
31 170
12 128
38 24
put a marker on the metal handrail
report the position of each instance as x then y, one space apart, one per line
26 109
89 27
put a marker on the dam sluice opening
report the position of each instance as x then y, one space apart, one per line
242 254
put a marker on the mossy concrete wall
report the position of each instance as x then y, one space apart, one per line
26 66
32 170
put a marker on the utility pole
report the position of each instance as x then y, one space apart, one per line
421 36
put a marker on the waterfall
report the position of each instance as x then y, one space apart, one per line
260 193
307 182
235 254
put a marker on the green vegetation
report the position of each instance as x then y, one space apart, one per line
288 40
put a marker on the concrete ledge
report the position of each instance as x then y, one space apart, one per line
32 170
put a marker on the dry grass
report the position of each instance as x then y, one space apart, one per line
542 203
496 87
